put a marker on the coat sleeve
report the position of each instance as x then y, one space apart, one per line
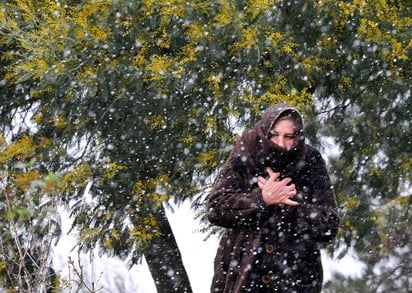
233 202
319 217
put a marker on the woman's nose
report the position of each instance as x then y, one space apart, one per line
281 141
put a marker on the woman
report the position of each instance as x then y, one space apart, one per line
275 199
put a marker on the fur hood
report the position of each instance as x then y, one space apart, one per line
254 150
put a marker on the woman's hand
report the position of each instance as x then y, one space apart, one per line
275 191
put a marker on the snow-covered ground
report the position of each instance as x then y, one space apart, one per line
114 276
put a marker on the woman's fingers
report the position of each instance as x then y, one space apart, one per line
275 191
274 176
291 202
286 181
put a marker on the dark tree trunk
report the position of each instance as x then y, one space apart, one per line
165 260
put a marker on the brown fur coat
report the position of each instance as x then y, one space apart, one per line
271 248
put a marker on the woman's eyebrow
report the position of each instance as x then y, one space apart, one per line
289 133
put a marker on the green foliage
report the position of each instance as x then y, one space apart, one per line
145 98
147 86
151 87
364 103
28 219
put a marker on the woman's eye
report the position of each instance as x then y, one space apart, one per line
285 136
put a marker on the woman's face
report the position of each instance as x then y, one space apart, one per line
283 133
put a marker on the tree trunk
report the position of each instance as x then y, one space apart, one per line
165 260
